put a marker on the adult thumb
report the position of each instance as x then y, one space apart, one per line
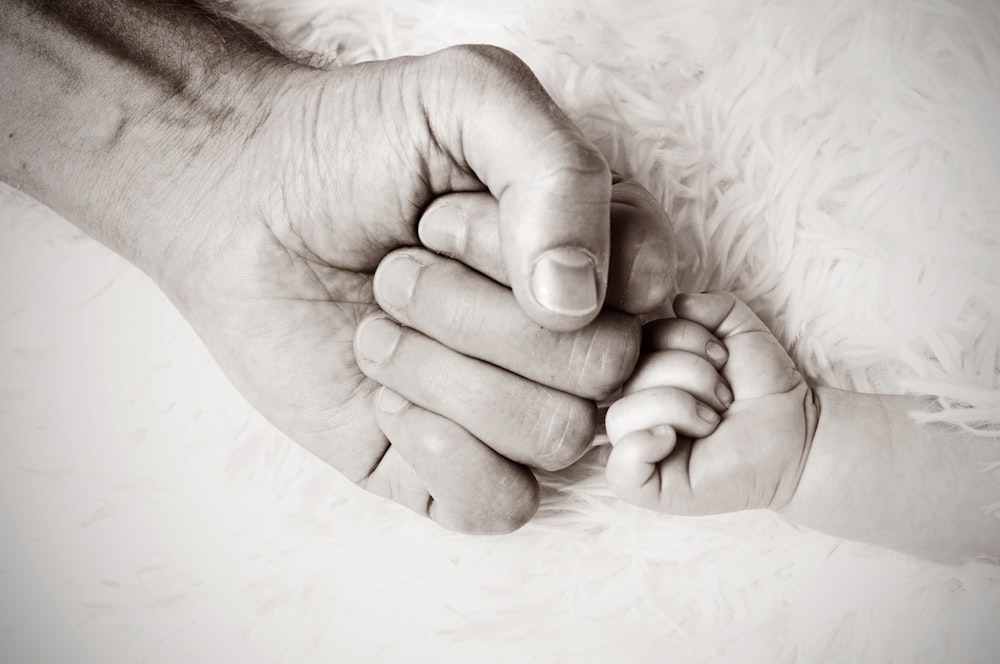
496 121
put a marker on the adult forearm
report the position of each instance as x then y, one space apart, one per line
877 476
107 105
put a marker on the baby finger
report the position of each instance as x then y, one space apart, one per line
687 371
633 470
658 406
686 335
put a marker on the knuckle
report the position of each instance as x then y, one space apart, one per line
511 505
501 72
560 428
485 56
610 352
682 301
484 65
572 158
460 308
667 333
687 334
507 497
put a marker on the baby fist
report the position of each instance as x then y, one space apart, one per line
716 417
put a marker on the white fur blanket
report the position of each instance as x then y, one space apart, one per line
836 163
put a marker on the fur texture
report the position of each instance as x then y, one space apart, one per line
835 165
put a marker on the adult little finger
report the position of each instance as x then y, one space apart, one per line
467 486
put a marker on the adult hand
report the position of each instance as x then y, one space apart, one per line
261 193
474 387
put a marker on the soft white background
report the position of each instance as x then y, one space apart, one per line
835 164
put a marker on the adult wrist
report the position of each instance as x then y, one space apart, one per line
123 117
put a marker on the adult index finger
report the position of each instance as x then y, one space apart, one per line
552 184
642 263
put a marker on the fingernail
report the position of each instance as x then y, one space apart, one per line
390 402
395 281
377 338
716 351
565 281
444 229
725 395
707 414
661 430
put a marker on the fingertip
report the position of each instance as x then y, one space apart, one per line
717 353
444 227
504 515
644 261
721 312
707 414
674 333
626 469
651 407
390 402
708 309
648 445
466 227
567 286
617 419
576 436
632 471
375 340
467 486
555 237
641 281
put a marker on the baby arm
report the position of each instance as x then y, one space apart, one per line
717 418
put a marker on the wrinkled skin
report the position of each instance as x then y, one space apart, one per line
333 173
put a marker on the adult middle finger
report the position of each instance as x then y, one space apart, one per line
524 421
479 318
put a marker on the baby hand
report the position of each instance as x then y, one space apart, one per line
716 417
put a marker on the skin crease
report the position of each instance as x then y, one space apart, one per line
261 194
